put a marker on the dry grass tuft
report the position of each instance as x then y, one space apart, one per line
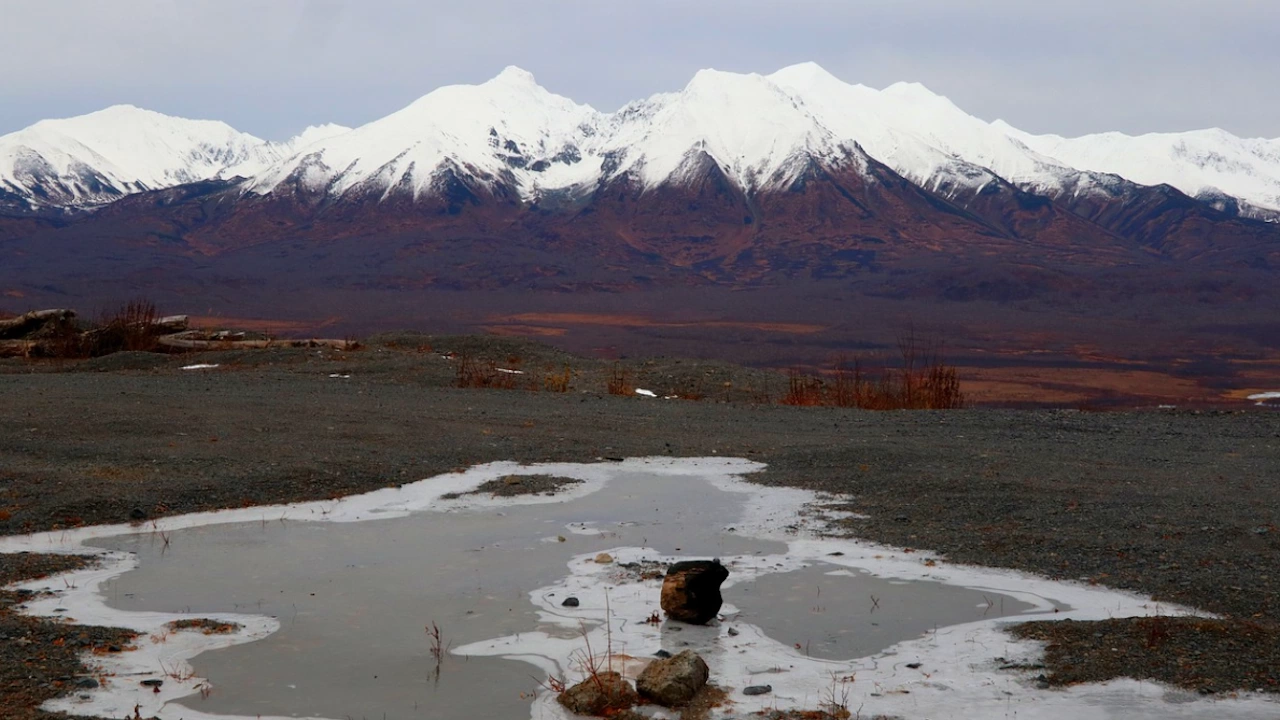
473 373
620 381
923 382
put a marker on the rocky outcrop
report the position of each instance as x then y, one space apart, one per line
691 591
602 694
673 681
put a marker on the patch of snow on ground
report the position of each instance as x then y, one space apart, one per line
646 393
200 366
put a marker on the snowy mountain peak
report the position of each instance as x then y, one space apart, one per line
95 158
512 75
804 74
1202 163
317 133
915 91
752 128
507 130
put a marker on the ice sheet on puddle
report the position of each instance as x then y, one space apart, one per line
958 677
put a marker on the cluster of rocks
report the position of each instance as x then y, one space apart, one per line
690 594
670 682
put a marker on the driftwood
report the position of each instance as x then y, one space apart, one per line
28 323
16 348
198 341
173 323
171 333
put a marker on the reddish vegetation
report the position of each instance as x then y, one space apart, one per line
923 382
620 382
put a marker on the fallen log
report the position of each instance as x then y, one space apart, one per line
184 341
28 323
16 348
173 323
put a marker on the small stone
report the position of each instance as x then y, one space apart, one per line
137 514
914 666
570 602
604 558
511 480
673 681
87 683
560 538
758 690
155 682
603 694
662 654
113 648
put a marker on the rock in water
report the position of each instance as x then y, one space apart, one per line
673 681
604 694
691 590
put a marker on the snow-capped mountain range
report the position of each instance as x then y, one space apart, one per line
87 161
761 131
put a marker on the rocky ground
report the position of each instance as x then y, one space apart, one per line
1180 505
41 660
513 485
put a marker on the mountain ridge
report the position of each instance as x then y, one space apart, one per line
737 188
510 130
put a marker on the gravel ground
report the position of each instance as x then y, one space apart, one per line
514 485
1245 653
41 660
1180 505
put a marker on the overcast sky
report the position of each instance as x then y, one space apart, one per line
272 67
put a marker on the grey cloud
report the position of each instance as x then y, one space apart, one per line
272 68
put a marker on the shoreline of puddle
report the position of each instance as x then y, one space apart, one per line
953 663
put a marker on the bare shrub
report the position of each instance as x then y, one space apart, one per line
130 328
620 382
922 382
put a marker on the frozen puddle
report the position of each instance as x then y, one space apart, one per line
334 611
